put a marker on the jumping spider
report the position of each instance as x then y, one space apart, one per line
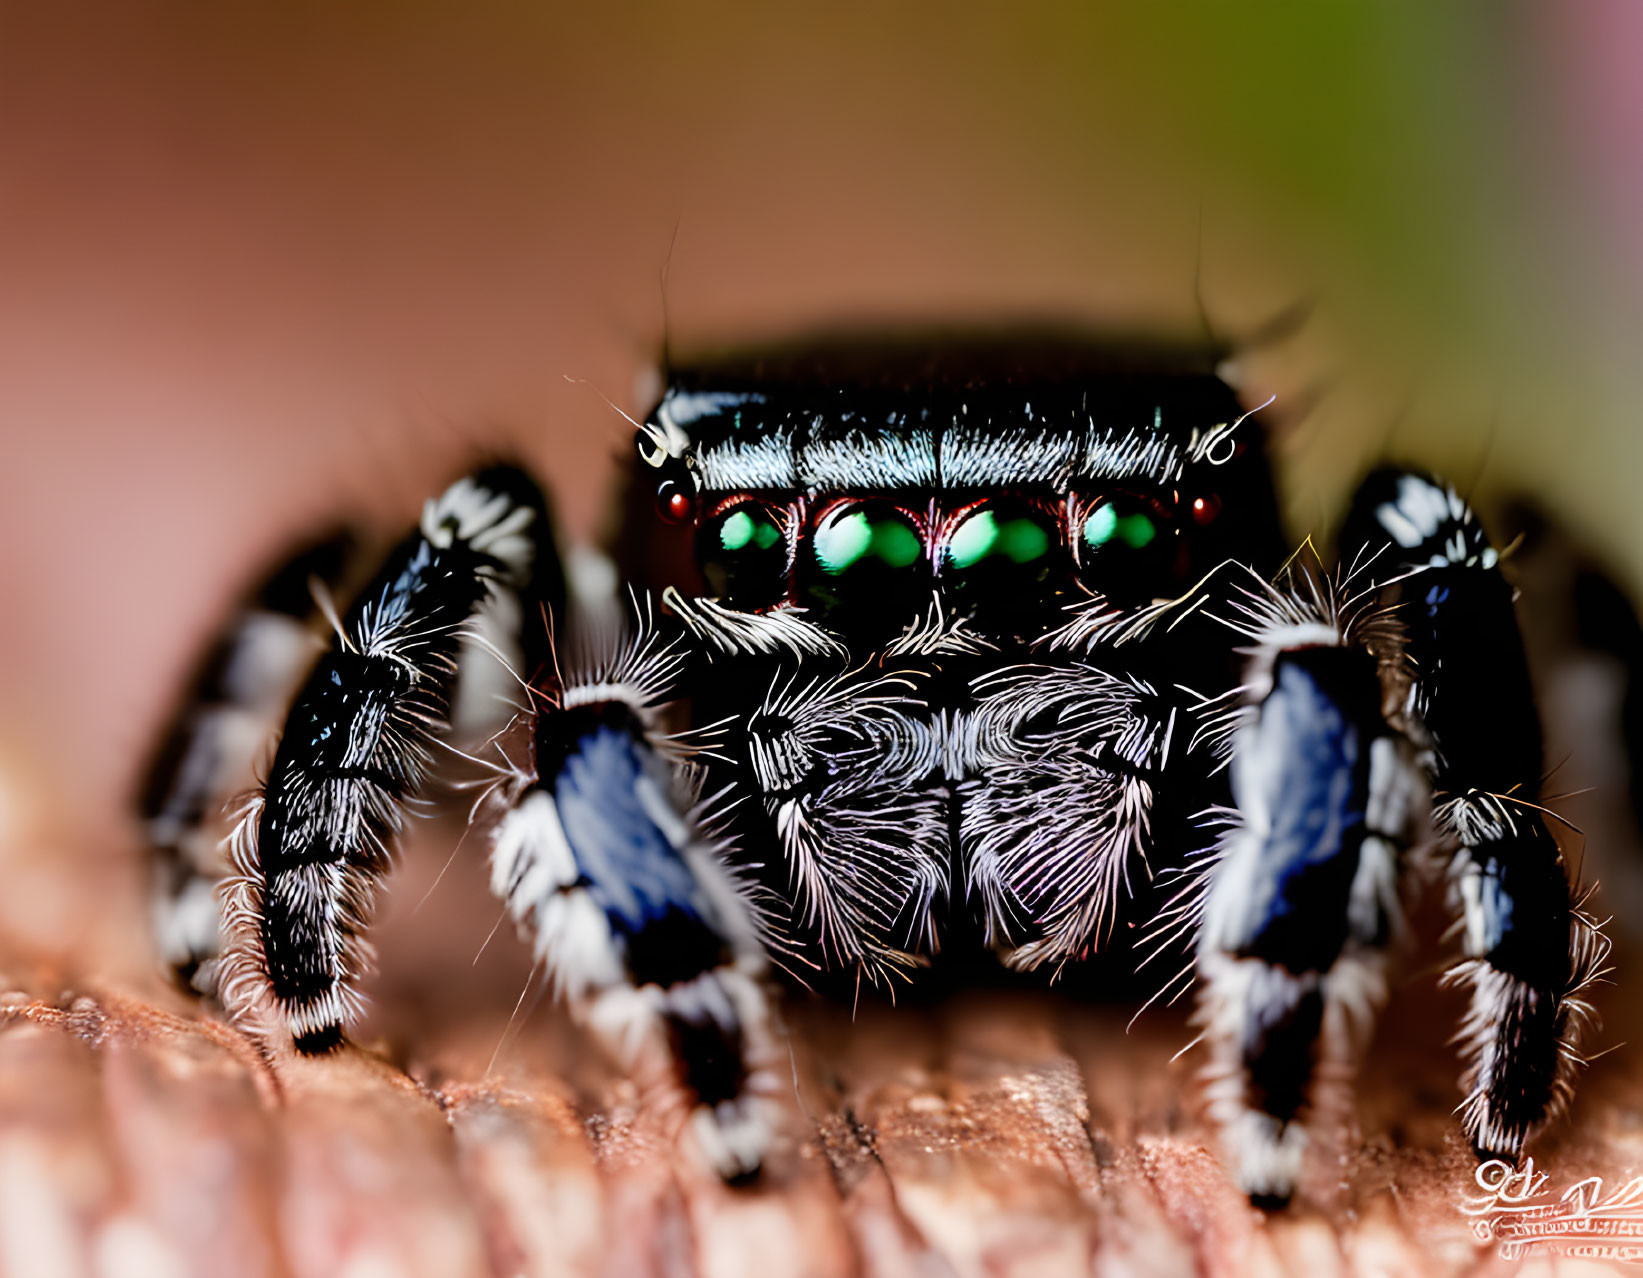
986 647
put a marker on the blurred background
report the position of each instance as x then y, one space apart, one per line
262 264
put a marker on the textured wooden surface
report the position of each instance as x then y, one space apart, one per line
1000 1134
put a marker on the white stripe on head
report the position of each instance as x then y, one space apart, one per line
760 462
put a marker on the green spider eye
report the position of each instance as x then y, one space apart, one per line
863 562
995 564
990 535
1126 551
1135 529
862 535
743 556
741 530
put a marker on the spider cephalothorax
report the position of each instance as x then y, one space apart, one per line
928 589
938 645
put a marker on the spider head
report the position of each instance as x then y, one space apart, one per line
1007 478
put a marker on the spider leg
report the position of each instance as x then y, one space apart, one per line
1302 903
239 690
1529 951
606 862
312 845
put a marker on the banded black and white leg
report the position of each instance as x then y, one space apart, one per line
605 861
312 846
1303 900
1530 953
238 694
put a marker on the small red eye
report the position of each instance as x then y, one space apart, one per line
673 503
1204 510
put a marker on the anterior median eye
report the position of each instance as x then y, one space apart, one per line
1021 538
1126 549
864 535
864 561
743 557
996 563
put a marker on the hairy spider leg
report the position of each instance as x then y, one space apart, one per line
1530 953
235 698
1303 900
609 867
313 844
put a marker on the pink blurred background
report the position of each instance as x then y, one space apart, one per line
262 264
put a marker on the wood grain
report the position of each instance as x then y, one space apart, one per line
997 1134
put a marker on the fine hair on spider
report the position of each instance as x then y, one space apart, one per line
944 652
1356 743
311 846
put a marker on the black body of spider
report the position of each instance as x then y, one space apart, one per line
965 637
